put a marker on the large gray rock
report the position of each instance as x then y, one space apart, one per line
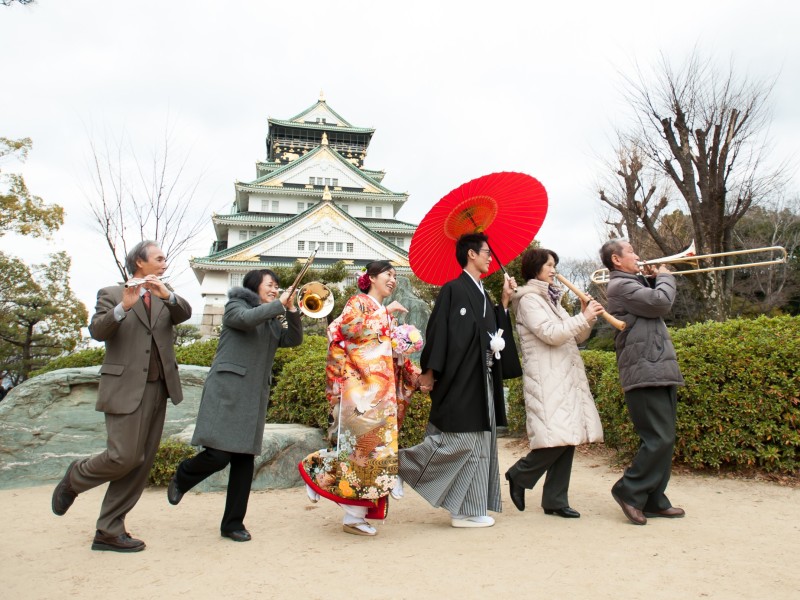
50 420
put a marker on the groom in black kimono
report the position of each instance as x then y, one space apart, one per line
456 467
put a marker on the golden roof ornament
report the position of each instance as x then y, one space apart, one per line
324 141
326 195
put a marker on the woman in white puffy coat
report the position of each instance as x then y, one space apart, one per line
559 406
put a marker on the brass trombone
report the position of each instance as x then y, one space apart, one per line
314 299
689 256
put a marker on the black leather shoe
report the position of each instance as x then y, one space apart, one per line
117 543
64 495
240 535
517 493
174 495
566 512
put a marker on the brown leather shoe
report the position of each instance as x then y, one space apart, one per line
117 543
673 512
64 495
633 514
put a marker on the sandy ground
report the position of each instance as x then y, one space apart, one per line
740 539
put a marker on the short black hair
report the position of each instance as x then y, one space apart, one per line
467 242
533 260
253 279
141 252
610 248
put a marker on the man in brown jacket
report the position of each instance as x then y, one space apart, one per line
139 373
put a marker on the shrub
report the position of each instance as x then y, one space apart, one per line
416 421
313 345
740 408
89 357
515 407
299 393
200 354
741 404
169 455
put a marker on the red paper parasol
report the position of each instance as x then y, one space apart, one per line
507 207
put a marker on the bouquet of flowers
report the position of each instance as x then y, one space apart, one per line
406 339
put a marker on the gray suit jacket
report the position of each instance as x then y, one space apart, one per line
123 375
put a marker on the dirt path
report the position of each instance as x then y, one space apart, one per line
741 539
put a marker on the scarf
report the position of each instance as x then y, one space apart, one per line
554 293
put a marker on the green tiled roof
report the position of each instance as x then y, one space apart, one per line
328 108
307 157
321 126
275 230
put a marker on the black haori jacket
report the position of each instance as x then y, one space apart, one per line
456 342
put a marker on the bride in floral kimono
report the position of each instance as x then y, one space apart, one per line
368 388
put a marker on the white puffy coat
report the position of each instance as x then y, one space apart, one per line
558 403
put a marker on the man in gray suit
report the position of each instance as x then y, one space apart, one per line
649 375
139 373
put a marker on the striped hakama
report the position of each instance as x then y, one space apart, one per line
456 471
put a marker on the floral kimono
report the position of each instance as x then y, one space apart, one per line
368 388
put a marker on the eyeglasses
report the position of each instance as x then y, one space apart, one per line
487 250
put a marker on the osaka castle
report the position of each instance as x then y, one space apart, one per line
312 189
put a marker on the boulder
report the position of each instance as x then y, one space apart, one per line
50 420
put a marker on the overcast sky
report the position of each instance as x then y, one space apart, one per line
454 89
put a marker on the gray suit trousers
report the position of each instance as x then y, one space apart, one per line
653 411
131 448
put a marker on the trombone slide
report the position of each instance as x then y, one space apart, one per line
602 275
612 320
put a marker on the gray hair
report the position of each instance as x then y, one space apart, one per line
138 252
608 249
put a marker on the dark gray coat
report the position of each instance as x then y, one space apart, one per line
236 393
645 354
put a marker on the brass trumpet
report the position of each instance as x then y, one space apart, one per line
689 256
314 299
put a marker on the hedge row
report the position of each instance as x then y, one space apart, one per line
740 408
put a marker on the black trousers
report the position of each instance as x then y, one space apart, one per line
653 412
194 470
557 462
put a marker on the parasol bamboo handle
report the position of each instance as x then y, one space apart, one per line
612 320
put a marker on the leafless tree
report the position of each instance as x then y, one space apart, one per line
763 289
132 200
705 128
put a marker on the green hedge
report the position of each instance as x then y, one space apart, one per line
740 408
299 393
89 357
169 455
200 354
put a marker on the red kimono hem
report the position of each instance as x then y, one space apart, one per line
377 509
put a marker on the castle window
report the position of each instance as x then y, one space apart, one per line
275 206
242 235
378 211
311 181
369 211
335 182
301 245
345 207
300 207
339 246
330 246
252 234
236 279
349 246
319 181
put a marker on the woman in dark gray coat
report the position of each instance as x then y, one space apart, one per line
230 423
